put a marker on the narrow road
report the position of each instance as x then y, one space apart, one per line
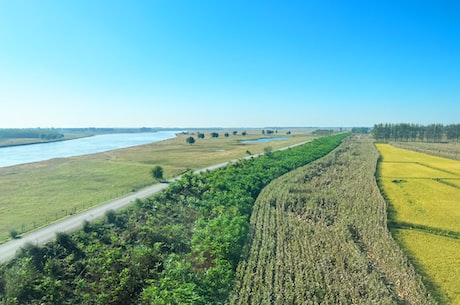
72 223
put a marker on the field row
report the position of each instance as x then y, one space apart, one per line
319 236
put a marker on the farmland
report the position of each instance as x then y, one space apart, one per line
424 192
319 236
36 194
180 247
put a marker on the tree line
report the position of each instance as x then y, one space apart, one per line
48 134
416 132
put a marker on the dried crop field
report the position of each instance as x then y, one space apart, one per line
449 150
319 236
424 195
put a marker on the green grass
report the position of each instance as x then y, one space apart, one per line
36 194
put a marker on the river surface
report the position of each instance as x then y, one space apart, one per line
44 151
264 140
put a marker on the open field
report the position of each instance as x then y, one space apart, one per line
32 195
424 195
319 236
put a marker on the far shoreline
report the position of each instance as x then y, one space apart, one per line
34 142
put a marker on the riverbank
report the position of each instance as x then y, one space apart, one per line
32 141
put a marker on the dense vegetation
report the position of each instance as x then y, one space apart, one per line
181 247
415 132
319 236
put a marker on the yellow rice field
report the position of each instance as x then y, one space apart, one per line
424 193
439 258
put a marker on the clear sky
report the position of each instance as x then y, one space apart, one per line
168 63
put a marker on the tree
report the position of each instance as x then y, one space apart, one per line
268 151
235 132
226 134
14 234
200 135
190 140
157 172
214 134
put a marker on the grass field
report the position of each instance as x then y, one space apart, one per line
32 195
424 196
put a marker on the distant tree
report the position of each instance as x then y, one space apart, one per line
235 132
200 135
226 134
14 234
244 133
157 172
288 133
360 130
453 132
268 151
214 134
190 140
322 132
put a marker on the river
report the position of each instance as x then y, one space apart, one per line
264 140
44 151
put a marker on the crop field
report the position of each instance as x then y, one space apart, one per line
439 260
449 150
424 196
36 194
319 236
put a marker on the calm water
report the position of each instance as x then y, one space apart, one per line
264 140
90 145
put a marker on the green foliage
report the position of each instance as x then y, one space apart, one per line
190 140
268 151
180 247
363 130
323 132
416 132
157 172
48 134
14 234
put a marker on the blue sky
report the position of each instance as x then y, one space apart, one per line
168 63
